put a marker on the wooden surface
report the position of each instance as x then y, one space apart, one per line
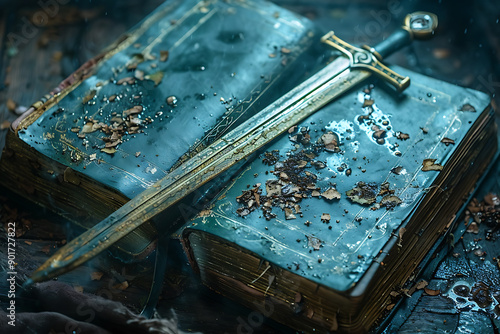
465 51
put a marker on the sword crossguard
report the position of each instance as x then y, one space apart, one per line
419 25
367 58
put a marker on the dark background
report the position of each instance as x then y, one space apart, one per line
40 47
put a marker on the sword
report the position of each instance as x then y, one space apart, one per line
355 66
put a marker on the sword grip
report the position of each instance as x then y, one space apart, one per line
397 40
418 25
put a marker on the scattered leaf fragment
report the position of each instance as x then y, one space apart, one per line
467 107
46 249
4 125
164 55
11 105
285 50
331 141
96 275
330 194
289 214
421 284
87 128
139 74
429 164
368 103
431 292
447 141
172 100
363 193
132 111
473 228
156 77
325 217
78 288
89 96
313 242
126 80
390 201
121 286
204 213
108 150
397 170
441 53
403 136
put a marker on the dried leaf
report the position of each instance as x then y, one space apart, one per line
89 96
331 141
156 77
422 284
313 242
78 288
96 275
397 170
46 249
368 103
204 213
121 286
441 53
113 143
429 164
403 136
139 74
126 80
88 128
285 50
379 134
11 105
298 297
133 111
473 228
431 292
273 188
390 201
172 100
364 194
330 194
4 125
289 214
108 150
467 107
447 141
164 55
325 217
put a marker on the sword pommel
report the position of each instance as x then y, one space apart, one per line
419 25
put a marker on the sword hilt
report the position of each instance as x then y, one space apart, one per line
419 25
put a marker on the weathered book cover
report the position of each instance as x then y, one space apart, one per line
185 75
339 213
